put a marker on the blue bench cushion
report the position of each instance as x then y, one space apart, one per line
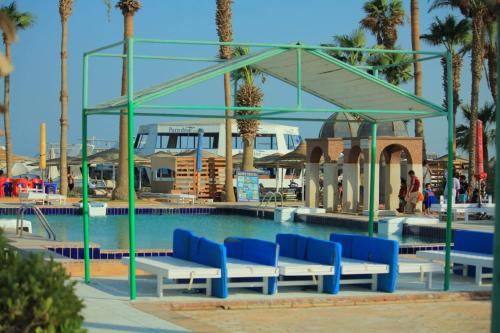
189 247
473 241
313 250
256 251
378 250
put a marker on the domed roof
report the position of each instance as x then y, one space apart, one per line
395 128
347 127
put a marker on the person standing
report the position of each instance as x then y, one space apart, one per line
412 195
71 182
455 189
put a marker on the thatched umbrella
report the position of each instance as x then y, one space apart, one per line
268 161
294 159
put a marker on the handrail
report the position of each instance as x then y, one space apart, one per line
41 218
267 199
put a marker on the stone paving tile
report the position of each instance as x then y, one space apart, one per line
442 317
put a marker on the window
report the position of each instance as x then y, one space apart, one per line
292 141
140 140
164 173
265 142
186 141
262 142
237 141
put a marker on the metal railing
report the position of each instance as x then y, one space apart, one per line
41 219
266 200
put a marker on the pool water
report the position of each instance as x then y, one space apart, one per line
155 231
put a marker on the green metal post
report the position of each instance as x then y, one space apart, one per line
449 180
495 297
131 190
299 78
85 172
373 161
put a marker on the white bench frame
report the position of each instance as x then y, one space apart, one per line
173 269
406 266
295 267
466 259
358 267
246 269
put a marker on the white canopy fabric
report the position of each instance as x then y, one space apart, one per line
322 75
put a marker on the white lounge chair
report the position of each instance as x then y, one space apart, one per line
245 269
478 260
56 198
31 196
295 267
406 266
173 269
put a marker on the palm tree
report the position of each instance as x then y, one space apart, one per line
479 12
21 20
397 66
128 8
248 95
417 66
65 9
451 34
223 20
491 49
382 19
356 39
487 115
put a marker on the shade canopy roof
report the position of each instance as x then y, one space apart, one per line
322 75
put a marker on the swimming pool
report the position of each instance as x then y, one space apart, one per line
155 231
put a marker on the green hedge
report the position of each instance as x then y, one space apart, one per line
36 295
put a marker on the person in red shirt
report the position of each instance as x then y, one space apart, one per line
412 195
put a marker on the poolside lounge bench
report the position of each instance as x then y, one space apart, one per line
465 209
368 260
471 248
309 257
56 198
192 258
252 263
177 197
406 266
31 196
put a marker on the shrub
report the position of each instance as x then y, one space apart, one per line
36 295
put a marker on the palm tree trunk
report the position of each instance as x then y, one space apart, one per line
6 115
121 190
417 67
229 141
248 153
63 163
476 67
457 67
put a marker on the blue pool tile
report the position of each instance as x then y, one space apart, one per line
74 253
118 255
96 253
147 254
104 256
80 253
162 254
59 250
111 255
126 255
139 254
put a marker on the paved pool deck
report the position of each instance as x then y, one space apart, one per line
412 308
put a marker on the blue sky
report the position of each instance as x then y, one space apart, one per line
36 80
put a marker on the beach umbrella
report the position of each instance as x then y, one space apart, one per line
295 158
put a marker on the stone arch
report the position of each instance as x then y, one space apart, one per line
316 154
391 171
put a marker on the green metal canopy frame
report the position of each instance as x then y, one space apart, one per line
308 68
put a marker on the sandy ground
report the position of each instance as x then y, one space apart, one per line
442 317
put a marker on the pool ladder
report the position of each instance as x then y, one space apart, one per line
266 200
41 219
